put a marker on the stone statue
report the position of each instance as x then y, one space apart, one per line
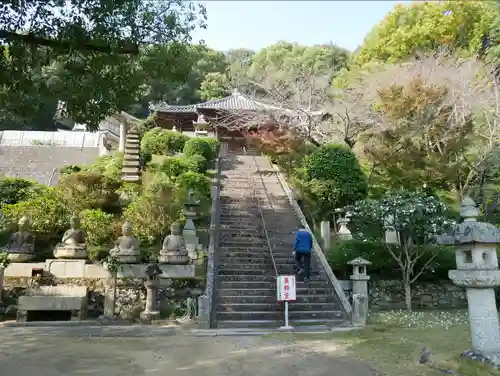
126 248
174 248
73 242
21 247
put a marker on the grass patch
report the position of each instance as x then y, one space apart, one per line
392 342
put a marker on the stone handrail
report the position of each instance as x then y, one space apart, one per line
206 306
316 247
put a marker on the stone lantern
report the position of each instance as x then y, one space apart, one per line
189 231
359 290
477 271
344 233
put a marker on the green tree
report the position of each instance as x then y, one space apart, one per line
93 55
427 26
215 85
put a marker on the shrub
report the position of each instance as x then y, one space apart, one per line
48 212
174 166
108 165
14 190
335 177
197 182
98 227
196 163
214 146
164 142
70 169
198 146
383 265
88 190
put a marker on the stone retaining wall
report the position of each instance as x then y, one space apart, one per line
387 295
130 301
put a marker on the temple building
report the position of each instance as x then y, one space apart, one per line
227 119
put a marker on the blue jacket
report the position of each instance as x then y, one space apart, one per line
303 242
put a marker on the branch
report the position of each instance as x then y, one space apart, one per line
424 267
32 39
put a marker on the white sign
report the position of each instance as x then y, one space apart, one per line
286 288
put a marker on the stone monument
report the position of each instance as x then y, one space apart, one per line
359 290
21 247
193 245
73 244
343 233
152 272
174 248
477 271
126 248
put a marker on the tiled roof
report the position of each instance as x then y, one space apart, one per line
41 163
235 102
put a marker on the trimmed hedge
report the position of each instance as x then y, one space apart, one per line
204 146
163 142
383 265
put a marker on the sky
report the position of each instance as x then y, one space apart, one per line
257 24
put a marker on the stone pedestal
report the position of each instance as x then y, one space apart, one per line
20 257
477 271
151 312
359 291
325 234
70 252
110 297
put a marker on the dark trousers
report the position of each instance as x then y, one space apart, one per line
303 261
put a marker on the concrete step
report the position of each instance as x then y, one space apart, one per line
264 282
277 323
271 292
270 299
237 270
278 315
273 306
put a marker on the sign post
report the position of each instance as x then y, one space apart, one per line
286 292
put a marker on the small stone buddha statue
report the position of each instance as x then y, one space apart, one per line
126 248
21 247
174 247
73 242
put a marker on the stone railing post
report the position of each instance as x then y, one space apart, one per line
477 271
359 291
325 234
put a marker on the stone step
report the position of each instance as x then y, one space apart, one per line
264 283
313 323
277 314
239 269
302 292
244 243
254 304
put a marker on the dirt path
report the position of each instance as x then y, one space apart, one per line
58 352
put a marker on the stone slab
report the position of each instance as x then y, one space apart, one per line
51 303
82 269
66 268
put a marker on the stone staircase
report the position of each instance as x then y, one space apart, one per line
246 278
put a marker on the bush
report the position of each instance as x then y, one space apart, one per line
48 212
196 163
174 166
198 146
109 166
163 142
383 265
88 190
98 227
14 190
214 146
335 177
197 182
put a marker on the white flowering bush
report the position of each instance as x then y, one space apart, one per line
416 218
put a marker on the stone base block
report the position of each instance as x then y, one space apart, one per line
149 316
70 253
20 257
173 259
128 259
